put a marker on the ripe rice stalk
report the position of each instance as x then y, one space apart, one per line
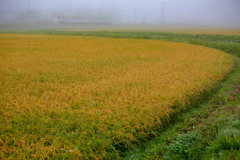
82 97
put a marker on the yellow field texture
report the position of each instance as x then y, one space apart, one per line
82 97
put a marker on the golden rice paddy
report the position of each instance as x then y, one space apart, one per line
81 97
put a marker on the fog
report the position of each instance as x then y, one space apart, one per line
217 13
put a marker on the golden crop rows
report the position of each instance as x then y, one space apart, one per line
82 97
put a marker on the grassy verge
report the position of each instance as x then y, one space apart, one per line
227 43
209 131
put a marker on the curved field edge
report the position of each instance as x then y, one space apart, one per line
209 131
29 119
226 43
210 138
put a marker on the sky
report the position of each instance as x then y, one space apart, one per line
191 12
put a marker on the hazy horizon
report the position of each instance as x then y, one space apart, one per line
175 12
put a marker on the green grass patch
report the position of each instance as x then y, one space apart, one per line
207 130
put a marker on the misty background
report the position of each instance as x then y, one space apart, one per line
216 13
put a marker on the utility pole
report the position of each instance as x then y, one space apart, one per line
162 15
29 5
145 20
46 16
69 5
135 17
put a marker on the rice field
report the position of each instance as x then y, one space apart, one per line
86 97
